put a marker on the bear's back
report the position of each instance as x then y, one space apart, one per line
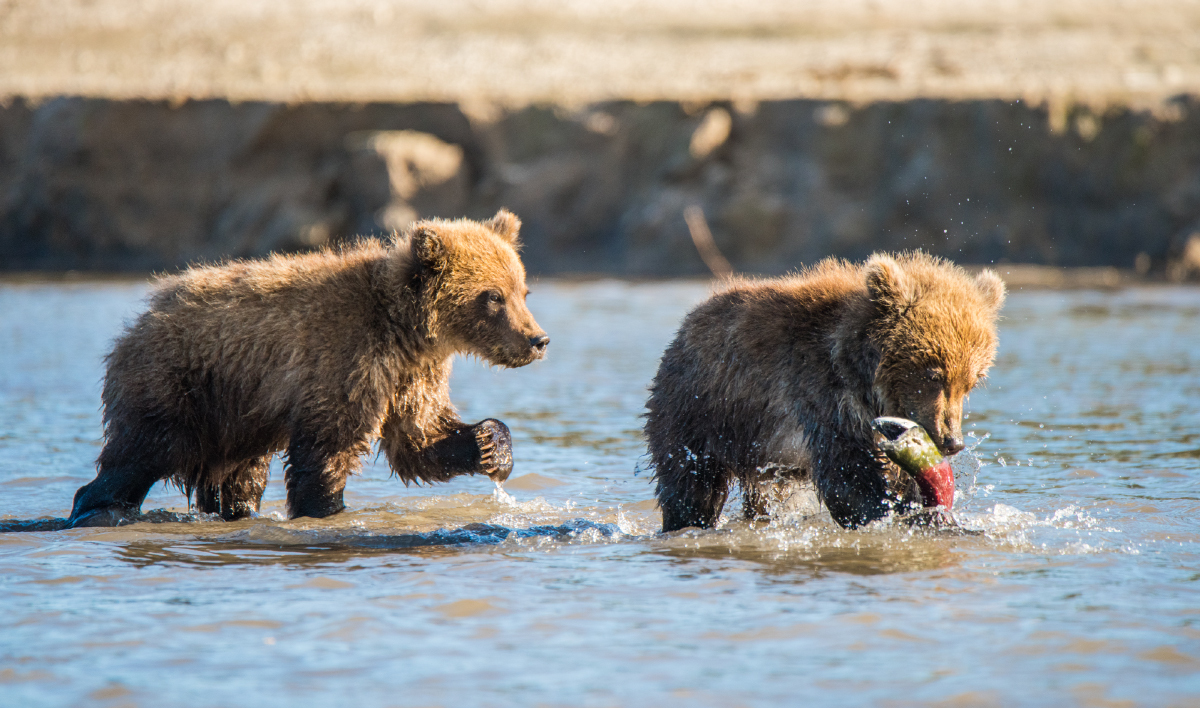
281 327
764 320
298 276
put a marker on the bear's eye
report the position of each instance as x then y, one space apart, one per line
935 374
494 297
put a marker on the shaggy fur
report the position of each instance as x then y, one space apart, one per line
774 381
316 355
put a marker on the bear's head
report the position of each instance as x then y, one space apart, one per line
474 290
934 326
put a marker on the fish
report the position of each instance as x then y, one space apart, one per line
909 446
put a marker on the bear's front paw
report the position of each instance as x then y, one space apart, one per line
495 449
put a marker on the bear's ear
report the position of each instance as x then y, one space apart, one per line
505 224
991 287
886 282
428 248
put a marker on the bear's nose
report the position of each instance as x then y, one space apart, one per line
952 445
539 342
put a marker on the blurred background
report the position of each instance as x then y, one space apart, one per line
140 135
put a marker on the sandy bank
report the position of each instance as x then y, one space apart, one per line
512 52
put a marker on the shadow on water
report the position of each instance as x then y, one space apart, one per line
794 550
807 548
819 550
842 552
32 525
157 516
271 545
821 561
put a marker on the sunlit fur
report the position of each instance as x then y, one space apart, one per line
316 355
772 381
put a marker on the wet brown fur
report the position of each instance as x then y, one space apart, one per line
316 355
773 381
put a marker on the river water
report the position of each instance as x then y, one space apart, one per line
1083 587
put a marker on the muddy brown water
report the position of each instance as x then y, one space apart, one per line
1082 587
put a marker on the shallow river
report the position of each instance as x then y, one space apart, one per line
1082 589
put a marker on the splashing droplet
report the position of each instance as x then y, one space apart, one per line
502 496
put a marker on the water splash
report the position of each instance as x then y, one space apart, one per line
502 497
967 465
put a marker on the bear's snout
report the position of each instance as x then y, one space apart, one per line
538 343
952 445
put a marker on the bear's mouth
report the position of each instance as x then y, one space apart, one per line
515 361
910 447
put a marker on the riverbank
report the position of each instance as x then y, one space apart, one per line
100 184
146 136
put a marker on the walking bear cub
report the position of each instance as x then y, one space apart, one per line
775 381
315 355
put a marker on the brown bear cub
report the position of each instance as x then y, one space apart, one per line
316 355
775 381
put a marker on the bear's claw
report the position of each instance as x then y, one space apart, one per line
495 449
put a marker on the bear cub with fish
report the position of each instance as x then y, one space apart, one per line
317 355
772 382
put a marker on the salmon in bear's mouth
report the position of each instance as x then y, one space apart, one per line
909 446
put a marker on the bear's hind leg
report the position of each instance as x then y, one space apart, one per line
771 489
242 490
691 497
207 498
127 471
756 498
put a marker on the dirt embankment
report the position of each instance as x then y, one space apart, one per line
985 130
118 185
